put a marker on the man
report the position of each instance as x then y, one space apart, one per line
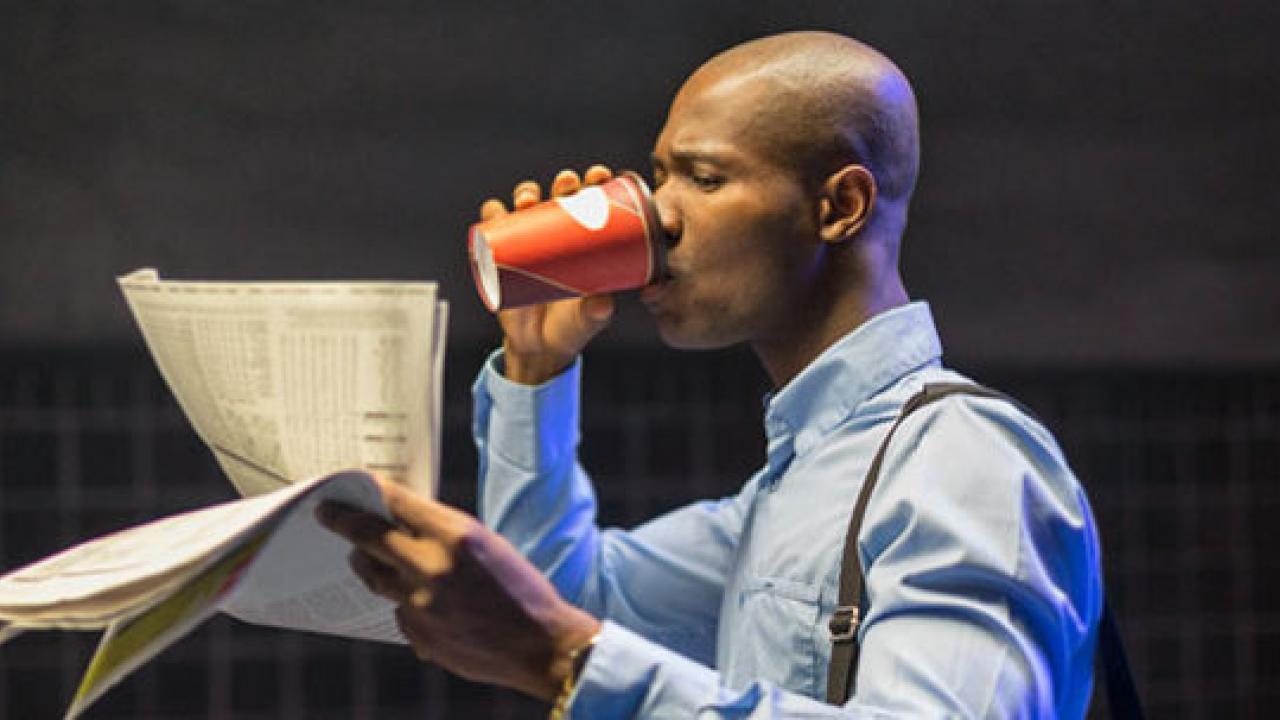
783 176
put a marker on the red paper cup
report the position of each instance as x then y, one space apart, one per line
601 239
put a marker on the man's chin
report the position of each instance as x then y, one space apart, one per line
683 336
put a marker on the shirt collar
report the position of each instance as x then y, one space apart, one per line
870 358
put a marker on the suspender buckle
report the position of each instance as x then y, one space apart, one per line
844 624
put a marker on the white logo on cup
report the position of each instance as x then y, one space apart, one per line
590 207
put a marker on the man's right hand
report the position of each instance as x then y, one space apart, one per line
540 341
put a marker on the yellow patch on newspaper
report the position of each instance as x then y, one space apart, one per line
130 643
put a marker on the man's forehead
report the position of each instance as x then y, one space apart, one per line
717 113
714 88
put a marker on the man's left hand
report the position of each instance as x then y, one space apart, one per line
467 600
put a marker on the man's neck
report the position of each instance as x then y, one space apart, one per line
786 356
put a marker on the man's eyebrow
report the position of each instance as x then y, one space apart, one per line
687 156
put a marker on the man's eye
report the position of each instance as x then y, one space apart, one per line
707 182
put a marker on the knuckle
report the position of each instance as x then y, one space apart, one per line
371 532
473 545
430 571
420 598
471 535
491 207
377 577
598 173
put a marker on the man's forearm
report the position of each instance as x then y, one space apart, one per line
531 489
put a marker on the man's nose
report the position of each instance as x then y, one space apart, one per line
668 214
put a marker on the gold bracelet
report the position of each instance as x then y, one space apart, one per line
577 661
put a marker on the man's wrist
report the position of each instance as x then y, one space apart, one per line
532 369
573 664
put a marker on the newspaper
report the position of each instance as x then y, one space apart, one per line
264 559
301 390
287 380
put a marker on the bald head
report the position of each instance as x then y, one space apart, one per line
782 177
822 101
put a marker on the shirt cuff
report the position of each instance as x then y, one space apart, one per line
628 676
533 427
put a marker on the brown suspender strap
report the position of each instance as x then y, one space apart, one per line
851 602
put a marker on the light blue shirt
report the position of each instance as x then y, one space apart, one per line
981 555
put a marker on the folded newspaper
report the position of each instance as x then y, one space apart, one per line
301 390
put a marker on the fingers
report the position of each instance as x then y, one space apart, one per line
413 626
422 541
380 578
358 526
492 208
597 174
424 516
410 601
566 182
391 583
578 320
526 194
366 532
391 561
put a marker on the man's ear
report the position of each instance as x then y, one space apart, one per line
848 197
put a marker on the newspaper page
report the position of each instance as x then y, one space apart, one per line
96 581
264 559
280 563
302 579
104 579
287 380
130 642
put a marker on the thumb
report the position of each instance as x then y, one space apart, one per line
594 313
597 309
421 515
574 322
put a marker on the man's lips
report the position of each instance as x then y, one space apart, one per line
650 294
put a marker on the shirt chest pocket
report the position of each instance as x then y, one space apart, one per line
780 623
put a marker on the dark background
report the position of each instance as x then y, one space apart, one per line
1094 226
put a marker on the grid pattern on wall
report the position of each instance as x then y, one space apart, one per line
1182 469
